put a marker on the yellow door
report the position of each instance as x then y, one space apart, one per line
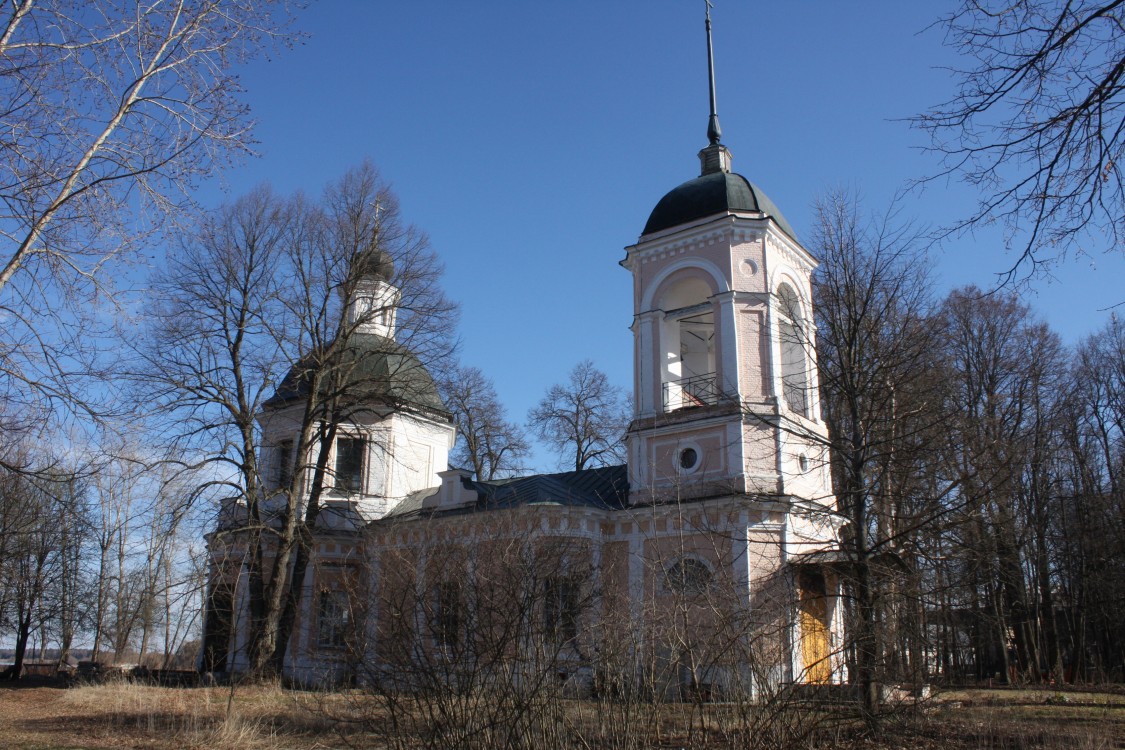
816 638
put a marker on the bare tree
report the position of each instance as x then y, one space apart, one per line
215 343
486 441
42 533
1037 122
111 112
584 418
359 230
261 290
486 638
874 342
107 103
1089 516
483 636
1003 368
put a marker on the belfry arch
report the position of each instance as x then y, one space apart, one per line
793 336
687 343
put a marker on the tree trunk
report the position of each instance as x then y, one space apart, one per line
304 548
23 636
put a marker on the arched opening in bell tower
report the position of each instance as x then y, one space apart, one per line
688 369
793 332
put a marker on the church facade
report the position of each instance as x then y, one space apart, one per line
699 566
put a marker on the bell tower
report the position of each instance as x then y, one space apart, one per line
725 383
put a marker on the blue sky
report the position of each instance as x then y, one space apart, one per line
531 141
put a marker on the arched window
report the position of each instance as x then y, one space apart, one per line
561 597
688 576
688 343
795 344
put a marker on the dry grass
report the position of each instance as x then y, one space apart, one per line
1010 720
127 715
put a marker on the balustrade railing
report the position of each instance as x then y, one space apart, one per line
685 393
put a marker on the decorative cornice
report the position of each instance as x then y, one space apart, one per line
728 228
673 421
797 256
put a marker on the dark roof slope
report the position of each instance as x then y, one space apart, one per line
605 488
378 370
714 193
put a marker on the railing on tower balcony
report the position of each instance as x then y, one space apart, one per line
685 393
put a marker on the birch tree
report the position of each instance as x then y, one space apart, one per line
110 113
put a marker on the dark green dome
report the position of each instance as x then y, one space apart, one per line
375 263
714 193
377 370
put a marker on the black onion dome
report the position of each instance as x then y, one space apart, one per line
714 193
377 263
379 371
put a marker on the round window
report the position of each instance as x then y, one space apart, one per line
688 576
804 462
689 457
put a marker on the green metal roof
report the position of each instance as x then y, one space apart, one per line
714 193
377 370
606 488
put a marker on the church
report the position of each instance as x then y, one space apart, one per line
701 567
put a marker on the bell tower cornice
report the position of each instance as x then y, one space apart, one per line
732 228
791 251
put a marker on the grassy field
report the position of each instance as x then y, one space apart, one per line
137 716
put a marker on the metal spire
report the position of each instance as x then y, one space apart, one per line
714 132
714 157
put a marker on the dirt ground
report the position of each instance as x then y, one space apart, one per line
37 717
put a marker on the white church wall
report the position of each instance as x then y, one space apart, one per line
420 452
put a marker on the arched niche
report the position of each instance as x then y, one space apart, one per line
794 335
